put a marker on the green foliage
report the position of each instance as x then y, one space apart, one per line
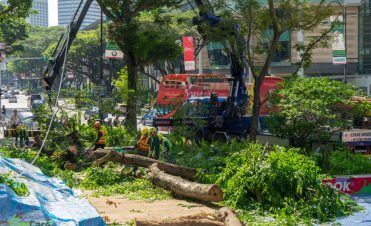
15 9
119 136
19 188
343 162
45 163
38 40
283 182
135 189
310 109
110 174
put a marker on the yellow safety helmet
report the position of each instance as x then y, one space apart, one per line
97 125
145 131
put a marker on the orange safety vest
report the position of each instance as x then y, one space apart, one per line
102 139
143 143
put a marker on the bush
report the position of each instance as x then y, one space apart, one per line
282 181
343 162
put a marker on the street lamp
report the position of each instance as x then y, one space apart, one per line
344 11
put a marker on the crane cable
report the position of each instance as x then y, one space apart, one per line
55 105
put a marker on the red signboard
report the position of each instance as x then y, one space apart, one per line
189 55
353 185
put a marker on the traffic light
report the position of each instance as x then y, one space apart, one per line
3 110
45 57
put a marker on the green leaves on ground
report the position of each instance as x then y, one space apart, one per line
18 187
282 181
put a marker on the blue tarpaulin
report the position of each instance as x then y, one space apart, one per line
362 218
50 201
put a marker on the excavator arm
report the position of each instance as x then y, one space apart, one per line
238 98
53 69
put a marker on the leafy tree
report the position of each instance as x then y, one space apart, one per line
142 43
311 110
84 59
12 23
263 25
15 9
34 45
182 25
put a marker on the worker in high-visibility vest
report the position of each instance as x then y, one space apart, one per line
166 148
143 143
154 142
100 142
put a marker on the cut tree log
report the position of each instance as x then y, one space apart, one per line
180 186
228 216
201 219
106 155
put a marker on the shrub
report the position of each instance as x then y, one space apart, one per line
282 181
343 162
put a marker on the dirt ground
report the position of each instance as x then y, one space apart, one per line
116 209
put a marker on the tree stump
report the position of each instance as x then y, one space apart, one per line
228 216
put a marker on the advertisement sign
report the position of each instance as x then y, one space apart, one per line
189 55
356 136
113 52
339 55
353 185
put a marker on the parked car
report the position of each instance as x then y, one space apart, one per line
13 99
93 112
15 92
29 120
7 95
147 119
35 100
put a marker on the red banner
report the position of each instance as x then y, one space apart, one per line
189 55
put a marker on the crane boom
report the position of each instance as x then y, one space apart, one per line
238 98
55 63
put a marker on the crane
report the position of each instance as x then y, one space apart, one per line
232 119
55 64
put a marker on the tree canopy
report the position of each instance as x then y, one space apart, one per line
141 42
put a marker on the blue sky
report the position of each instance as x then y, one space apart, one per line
53 12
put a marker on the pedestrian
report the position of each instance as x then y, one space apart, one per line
100 142
154 142
15 122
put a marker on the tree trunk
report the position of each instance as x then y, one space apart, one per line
131 118
255 110
229 217
200 219
104 155
203 192
179 222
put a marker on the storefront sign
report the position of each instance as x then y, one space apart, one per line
339 55
356 136
189 55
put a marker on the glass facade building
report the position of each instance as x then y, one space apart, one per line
67 8
365 37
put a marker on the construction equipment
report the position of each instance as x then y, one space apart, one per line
57 59
226 117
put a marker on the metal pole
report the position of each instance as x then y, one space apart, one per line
300 40
344 10
101 68
200 63
345 40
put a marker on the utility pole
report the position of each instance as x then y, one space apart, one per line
300 40
2 68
